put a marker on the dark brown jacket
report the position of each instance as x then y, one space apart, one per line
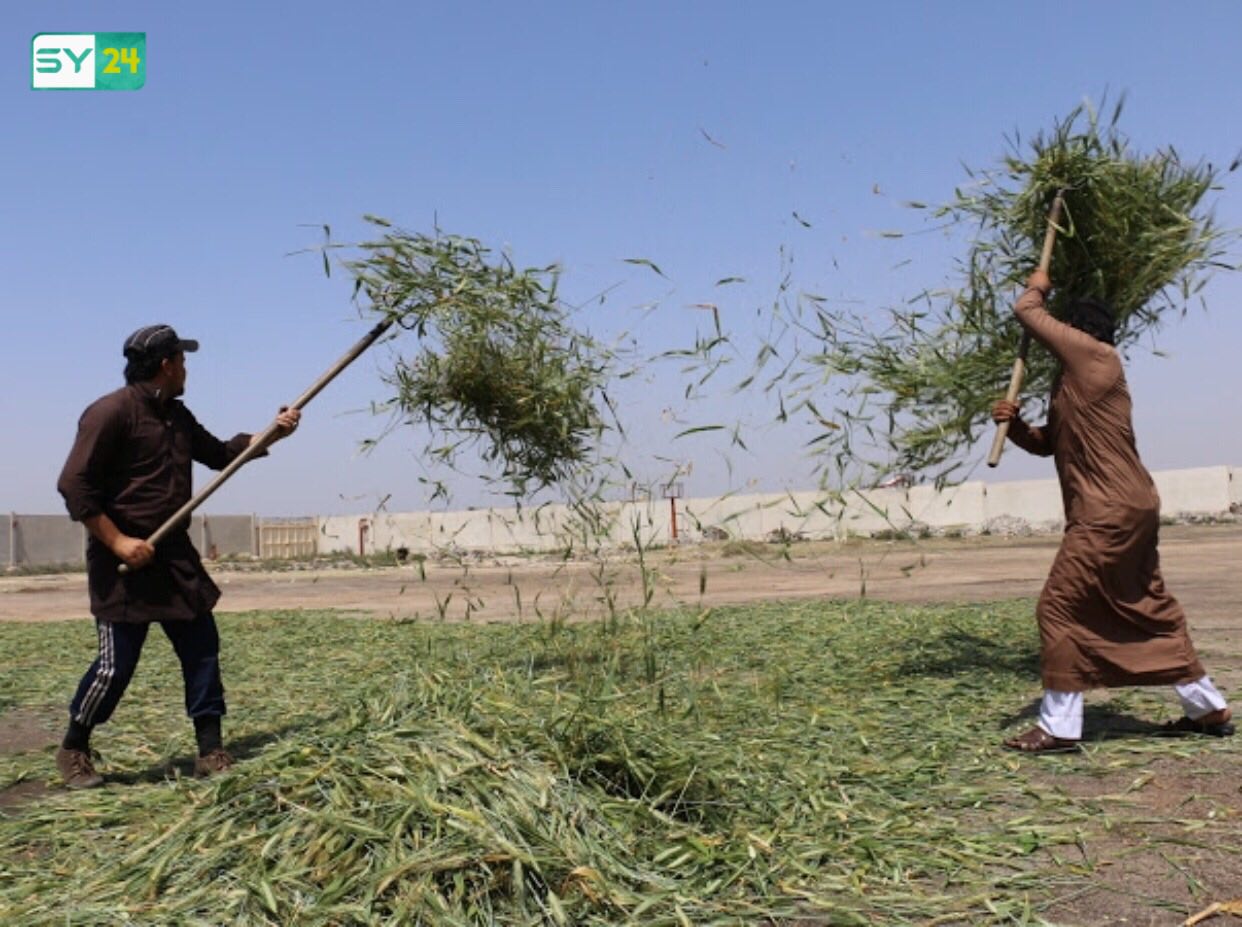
132 461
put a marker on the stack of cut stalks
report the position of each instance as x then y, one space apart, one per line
499 366
1134 233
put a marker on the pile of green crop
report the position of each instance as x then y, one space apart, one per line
823 762
1135 232
499 366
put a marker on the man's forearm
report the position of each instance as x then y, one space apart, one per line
134 552
1030 438
103 529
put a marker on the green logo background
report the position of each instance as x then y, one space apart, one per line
114 72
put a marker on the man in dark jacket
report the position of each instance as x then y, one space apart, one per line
129 470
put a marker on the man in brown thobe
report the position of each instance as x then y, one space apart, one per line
1105 617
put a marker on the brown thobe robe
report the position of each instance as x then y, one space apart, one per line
1105 617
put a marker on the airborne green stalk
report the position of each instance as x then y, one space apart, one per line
499 366
1135 233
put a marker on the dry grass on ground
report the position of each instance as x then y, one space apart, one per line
814 763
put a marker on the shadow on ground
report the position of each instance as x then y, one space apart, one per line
1101 722
956 652
27 790
242 748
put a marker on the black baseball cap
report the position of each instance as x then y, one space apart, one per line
156 341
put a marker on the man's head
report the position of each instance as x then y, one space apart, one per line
156 353
1093 316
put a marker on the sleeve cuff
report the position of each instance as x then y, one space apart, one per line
239 442
83 510
1031 298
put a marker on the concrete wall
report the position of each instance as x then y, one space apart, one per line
47 540
223 535
755 517
956 508
970 508
1034 503
532 530
1194 492
41 540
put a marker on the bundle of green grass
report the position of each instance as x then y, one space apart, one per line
1134 232
499 367
397 813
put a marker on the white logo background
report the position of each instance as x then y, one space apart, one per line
43 56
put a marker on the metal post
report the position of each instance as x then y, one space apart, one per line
672 492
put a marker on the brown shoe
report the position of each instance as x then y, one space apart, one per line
76 768
1216 724
217 761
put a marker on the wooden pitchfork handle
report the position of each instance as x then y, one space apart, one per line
267 437
1019 364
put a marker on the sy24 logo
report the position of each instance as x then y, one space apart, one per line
89 60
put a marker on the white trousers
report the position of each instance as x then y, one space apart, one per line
1060 713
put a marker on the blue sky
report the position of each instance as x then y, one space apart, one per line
580 133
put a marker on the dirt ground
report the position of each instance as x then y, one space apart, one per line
1202 566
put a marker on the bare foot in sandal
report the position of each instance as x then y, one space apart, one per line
1037 740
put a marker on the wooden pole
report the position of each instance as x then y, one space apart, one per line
1024 345
267 437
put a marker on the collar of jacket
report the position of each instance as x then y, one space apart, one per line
153 396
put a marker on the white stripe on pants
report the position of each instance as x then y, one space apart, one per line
1060 713
103 676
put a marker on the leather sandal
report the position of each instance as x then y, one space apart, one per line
1037 740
